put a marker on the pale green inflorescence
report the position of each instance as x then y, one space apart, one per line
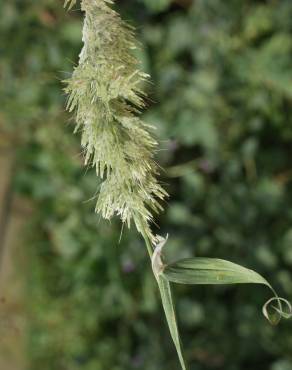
105 92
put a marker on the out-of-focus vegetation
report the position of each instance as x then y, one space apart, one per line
221 100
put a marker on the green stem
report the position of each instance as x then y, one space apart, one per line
147 241
148 245
168 305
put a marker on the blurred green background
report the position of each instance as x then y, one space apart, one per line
221 102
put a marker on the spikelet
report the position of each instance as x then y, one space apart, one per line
105 93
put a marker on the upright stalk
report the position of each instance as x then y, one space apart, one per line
106 93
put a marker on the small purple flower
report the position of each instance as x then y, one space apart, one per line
206 166
128 267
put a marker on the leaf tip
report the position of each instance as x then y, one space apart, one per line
275 317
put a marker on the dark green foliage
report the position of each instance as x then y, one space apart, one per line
222 91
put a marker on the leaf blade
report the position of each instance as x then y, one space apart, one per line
169 310
202 270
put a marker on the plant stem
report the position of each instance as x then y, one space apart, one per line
147 242
168 305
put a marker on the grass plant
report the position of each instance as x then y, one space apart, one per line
106 93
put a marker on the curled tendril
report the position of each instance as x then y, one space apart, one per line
279 312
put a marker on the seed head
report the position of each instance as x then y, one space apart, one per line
106 94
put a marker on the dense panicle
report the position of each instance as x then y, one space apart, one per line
105 92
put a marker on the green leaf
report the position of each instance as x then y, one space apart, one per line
202 270
168 306
216 271
157 5
165 293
